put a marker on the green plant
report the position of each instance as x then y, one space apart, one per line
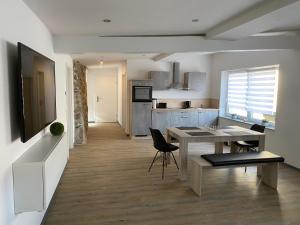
264 121
57 128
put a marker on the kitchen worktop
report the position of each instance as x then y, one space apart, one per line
182 110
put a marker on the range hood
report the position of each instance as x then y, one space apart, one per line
176 76
177 84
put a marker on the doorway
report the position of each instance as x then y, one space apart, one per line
102 94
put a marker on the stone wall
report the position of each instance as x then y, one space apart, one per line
80 103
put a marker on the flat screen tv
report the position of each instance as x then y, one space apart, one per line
37 94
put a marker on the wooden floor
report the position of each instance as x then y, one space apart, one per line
106 182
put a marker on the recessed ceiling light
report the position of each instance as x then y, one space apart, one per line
195 20
101 62
106 20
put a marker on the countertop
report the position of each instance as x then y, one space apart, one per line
183 110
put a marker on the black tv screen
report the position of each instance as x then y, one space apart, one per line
37 92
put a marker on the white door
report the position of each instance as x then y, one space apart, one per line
105 95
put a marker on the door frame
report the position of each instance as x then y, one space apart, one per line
118 67
70 103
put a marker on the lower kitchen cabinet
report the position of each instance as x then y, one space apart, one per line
184 119
207 117
190 118
161 120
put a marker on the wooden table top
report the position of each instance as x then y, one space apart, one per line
205 133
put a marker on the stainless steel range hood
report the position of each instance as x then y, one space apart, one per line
176 76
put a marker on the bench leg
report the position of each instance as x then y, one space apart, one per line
270 174
196 177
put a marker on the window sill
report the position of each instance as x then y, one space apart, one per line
246 122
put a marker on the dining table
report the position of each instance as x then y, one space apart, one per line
230 134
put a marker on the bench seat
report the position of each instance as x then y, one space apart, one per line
228 159
267 160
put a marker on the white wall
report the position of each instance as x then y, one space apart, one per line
139 68
284 140
19 24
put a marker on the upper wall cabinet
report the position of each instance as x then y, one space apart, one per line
161 80
194 80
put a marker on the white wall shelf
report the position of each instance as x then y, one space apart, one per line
37 172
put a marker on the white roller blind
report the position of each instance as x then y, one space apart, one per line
253 90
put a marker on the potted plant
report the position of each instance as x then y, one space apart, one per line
56 129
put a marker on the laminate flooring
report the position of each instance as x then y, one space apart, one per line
106 182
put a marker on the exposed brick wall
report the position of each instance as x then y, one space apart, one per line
80 103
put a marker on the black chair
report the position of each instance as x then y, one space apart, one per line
250 145
163 147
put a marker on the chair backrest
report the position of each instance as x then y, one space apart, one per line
258 128
159 141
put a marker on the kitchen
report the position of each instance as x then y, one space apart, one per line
171 97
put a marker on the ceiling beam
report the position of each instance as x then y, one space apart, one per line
94 44
161 56
246 24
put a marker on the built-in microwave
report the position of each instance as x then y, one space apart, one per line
142 93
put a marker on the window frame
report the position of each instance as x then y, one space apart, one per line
249 118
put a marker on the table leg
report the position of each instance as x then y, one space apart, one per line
183 158
219 147
261 147
169 139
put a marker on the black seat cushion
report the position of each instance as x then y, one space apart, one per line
171 147
242 158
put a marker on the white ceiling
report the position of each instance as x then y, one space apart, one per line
135 17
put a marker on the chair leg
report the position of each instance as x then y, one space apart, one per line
163 167
175 160
153 161
166 157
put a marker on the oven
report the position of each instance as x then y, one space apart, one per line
142 93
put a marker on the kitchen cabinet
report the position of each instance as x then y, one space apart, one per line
207 117
161 80
161 120
141 118
194 80
184 118
164 118
141 83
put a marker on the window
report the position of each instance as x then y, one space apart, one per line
252 94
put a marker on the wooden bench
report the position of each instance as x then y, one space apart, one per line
267 160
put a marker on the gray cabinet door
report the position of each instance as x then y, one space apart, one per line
161 80
207 118
161 121
142 83
141 118
184 119
195 80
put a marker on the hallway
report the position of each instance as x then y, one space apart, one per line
106 182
